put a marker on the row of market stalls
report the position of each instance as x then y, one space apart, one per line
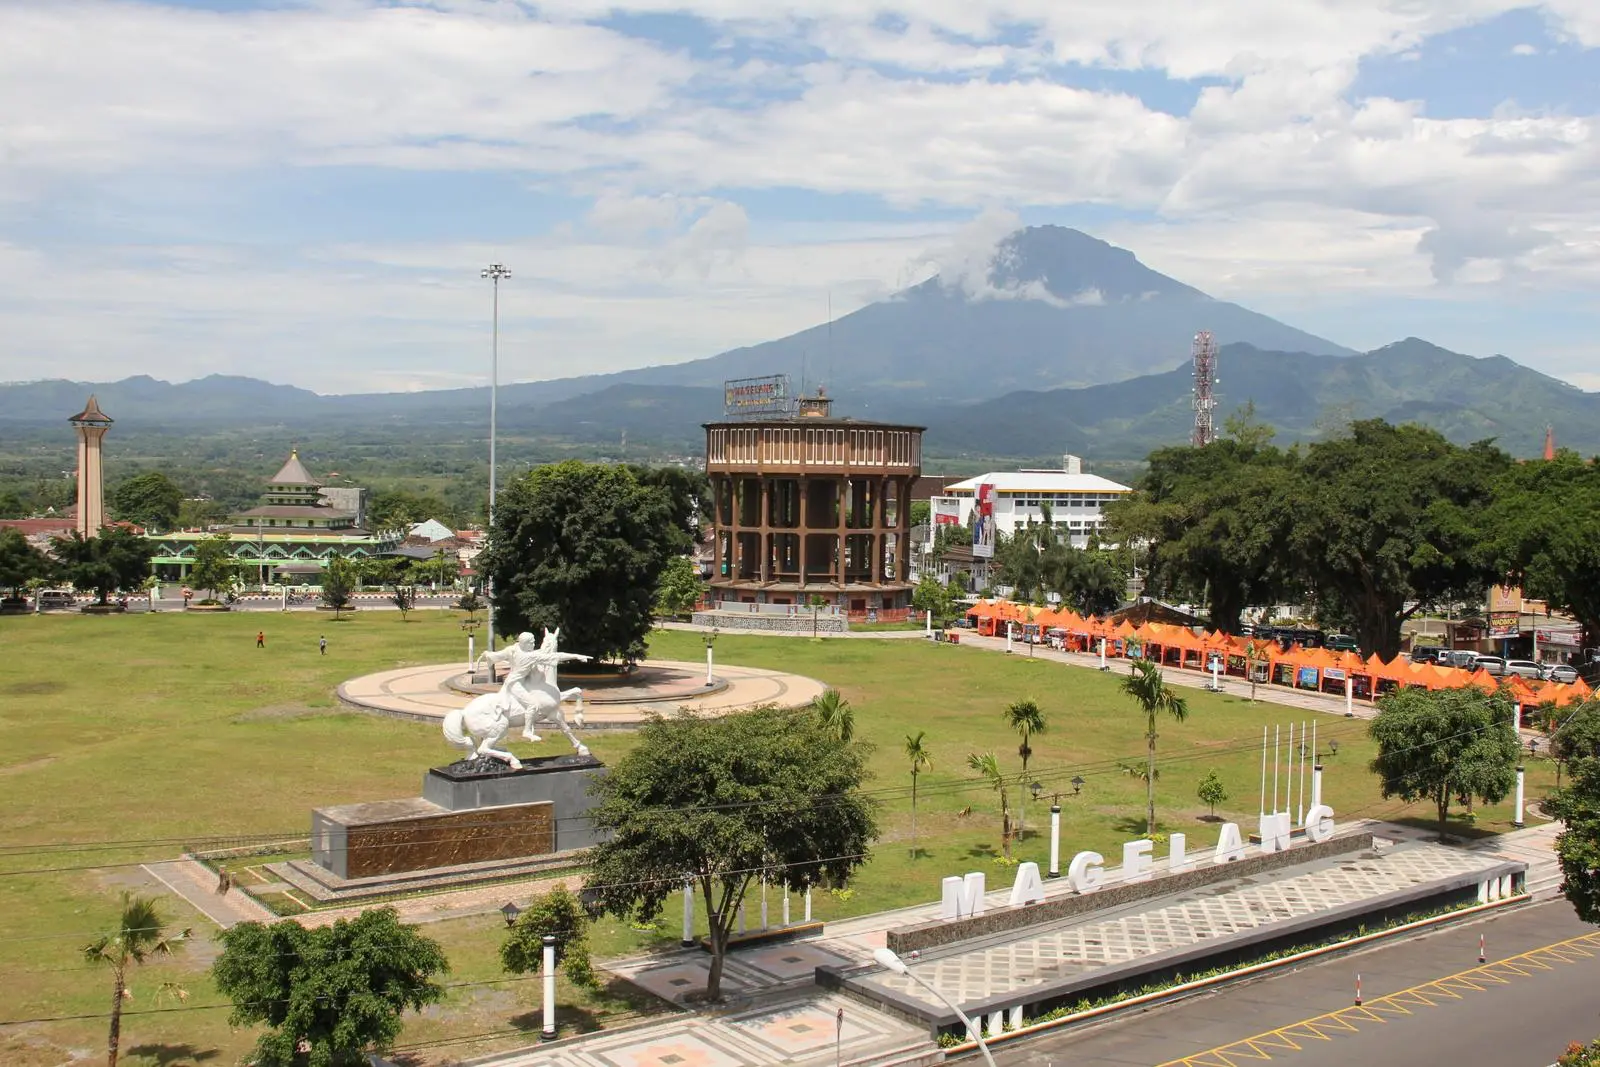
1314 669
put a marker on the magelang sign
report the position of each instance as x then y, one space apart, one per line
963 897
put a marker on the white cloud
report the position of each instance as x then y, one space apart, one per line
1524 50
1280 182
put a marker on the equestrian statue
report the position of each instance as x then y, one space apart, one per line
529 695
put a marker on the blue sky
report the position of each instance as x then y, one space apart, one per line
305 190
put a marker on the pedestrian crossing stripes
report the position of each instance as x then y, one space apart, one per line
1287 1040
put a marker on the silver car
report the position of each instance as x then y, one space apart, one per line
1527 668
1493 664
1561 672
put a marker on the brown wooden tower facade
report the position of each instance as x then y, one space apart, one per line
808 504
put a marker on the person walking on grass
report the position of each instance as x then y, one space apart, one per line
322 643
261 639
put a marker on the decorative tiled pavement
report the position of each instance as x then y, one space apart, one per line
747 971
801 1032
1152 927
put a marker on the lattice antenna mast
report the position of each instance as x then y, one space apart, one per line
1205 380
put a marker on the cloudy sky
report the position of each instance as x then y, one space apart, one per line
305 190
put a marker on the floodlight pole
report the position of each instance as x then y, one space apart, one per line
889 959
494 272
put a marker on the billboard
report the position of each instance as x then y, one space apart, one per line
1505 610
757 396
946 511
983 522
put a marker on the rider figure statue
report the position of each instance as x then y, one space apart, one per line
526 659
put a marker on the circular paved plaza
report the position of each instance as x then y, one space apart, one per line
664 687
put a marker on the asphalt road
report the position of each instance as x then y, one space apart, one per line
1519 1011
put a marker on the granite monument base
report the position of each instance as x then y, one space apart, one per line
473 811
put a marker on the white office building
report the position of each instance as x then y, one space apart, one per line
1075 499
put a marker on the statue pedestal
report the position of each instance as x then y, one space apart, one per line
471 812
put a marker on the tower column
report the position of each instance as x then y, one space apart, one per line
91 425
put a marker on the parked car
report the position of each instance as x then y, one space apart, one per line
1495 665
53 598
1342 643
1561 672
1527 668
1426 654
1457 657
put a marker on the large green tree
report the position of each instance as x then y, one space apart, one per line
213 567
141 933
338 582
339 990
1578 844
1445 745
933 595
1155 698
726 802
151 499
581 546
1213 521
20 562
117 558
1388 520
1545 530
688 496
679 589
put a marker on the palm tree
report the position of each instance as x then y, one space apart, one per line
1252 656
837 716
921 760
140 934
1027 719
989 767
1146 686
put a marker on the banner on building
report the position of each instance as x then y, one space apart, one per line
1505 623
768 395
983 522
947 511
1561 638
1505 598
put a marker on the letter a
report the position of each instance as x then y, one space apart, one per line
1230 846
1027 889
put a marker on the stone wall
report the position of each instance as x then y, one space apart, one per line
758 622
923 936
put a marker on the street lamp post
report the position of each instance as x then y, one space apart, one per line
494 272
887 958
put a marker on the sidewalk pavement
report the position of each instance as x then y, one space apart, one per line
776 1015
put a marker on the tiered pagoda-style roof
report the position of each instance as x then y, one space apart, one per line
294 500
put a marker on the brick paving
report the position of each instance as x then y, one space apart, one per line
424 693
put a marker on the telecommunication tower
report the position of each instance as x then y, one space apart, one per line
1205 378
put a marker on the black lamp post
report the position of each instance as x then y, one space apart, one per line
1035 788
511 911
1077 784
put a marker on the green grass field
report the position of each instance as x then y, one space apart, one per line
122 739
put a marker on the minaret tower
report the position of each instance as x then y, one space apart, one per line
91 424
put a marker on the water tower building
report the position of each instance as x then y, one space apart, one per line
807 504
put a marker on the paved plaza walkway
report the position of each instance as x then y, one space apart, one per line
776 1015
424 693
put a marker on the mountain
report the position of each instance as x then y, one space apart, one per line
1302 395
1054 308
214 398
1058 308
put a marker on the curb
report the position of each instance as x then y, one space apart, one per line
1177 992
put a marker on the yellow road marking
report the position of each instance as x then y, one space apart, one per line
1288 1039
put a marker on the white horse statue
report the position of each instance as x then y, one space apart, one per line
530 694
